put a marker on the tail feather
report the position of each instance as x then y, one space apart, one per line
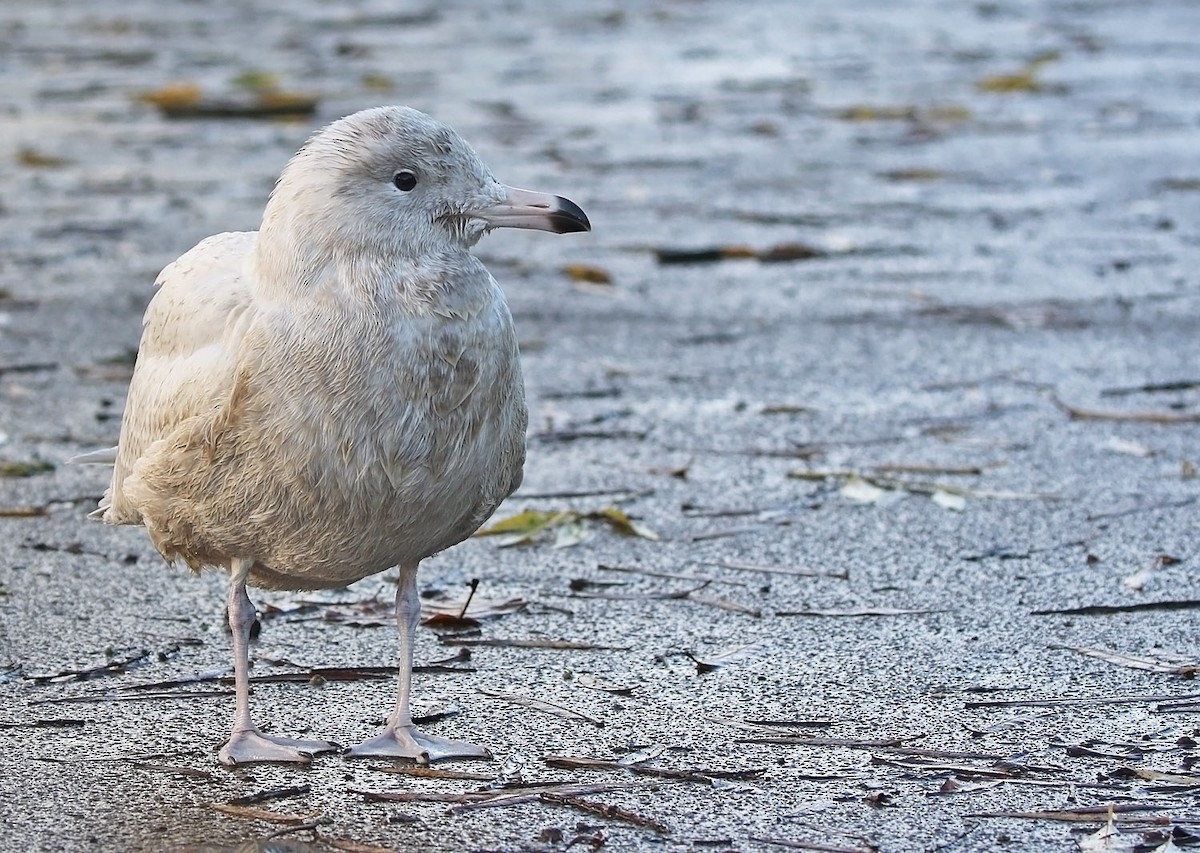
104 456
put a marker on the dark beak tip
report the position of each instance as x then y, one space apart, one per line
569 218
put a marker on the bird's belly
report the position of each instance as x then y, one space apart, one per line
401 491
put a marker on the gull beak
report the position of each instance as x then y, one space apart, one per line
545 212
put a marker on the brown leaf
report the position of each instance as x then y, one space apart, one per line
172 96
40 159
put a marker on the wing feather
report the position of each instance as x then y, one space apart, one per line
186 364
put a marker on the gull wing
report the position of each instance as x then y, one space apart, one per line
186 360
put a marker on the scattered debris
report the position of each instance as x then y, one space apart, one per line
1167 664
774 254
916 114
592 683
532 643
266 815
794 571
819 846
587 274
187 100
1108 609
609 811
23 512
1138 579
1076 701
845 743
871 488
528 525
1025 80
856 611
546 707
24 469
1153 388
1128 448
36 159
715 662
1078 414
270 794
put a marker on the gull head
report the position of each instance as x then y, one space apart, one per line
391 183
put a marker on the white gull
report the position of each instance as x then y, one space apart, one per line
337 393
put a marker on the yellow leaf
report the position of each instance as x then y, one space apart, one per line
622 523
587 274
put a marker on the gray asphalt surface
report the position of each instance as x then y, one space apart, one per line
1000 202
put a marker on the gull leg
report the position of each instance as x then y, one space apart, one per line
399 738
247 744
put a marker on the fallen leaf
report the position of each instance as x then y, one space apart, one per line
524 526
1189 780
946 500
24 469
860 491
622 523
40 159
569 534
914 174
172 96
1025 80
586 274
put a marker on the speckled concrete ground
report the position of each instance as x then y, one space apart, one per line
1001 202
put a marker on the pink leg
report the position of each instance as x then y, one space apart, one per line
399 738
247 744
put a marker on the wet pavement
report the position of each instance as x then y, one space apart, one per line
929 372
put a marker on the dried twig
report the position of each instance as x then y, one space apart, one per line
424 772
1078 414
819 846
794 571
1075 701
703 776
1106 609
1150 664
856 611
271 794
547 707
847 743
531 643
608 811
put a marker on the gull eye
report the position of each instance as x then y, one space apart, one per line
405 181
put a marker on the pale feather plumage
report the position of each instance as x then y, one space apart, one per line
327 404
337 393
